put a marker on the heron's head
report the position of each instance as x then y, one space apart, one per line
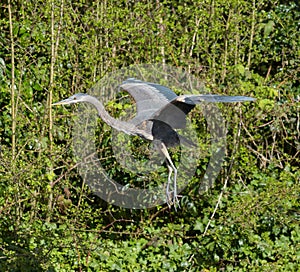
76 98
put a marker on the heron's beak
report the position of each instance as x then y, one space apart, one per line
63 102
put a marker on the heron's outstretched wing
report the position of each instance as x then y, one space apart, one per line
197 99
149 97
174 113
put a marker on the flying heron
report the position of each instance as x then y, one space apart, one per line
159 112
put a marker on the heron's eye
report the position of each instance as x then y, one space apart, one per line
75 98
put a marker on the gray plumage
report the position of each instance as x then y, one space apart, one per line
159 112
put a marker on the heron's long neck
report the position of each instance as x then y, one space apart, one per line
119 125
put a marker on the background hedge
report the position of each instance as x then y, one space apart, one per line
50 221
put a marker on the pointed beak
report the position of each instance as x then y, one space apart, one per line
63 102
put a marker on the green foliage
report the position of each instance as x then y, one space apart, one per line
49 218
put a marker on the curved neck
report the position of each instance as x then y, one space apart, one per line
119 125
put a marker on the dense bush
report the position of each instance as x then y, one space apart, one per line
51 221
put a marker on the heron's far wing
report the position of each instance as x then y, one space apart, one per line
215 98
149 97
174 113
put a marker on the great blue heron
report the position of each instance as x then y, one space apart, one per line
159 112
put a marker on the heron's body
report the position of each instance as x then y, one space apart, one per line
159 112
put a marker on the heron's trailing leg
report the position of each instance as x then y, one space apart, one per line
168 184
168 193
171 168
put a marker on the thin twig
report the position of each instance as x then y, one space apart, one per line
54 49
252 32
13 110
227 177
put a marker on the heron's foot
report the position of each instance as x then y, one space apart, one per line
173 199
